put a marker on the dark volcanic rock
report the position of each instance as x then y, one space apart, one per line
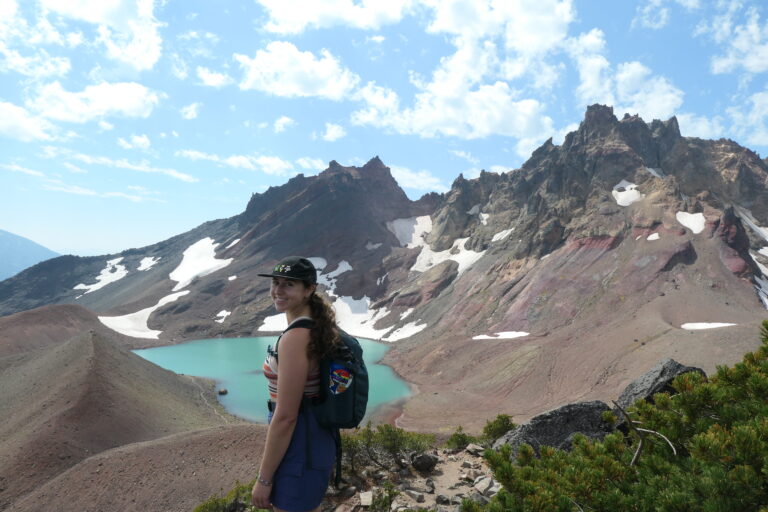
657 380
556 427
424 462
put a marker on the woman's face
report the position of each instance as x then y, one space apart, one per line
289 294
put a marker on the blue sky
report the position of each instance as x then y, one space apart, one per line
123 123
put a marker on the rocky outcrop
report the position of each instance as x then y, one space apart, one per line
557 427
657 380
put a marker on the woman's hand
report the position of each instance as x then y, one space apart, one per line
260 495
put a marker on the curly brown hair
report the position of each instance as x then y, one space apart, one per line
324 335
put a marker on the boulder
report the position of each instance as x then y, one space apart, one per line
556 427
474 449
417 496
657 380
424 462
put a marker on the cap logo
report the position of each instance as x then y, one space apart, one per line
282 269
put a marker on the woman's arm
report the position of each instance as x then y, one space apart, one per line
293 366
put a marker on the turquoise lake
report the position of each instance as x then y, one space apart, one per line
235 364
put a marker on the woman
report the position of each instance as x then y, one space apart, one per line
298 454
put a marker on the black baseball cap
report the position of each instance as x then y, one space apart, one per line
294 267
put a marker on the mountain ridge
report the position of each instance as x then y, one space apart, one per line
18 253
624 217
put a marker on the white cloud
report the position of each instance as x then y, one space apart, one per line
692 125
333 132
632 87
179 67
594 69
465 113
75 169
293 17
199 44
22 170
750 120
190 111
466 155
654 14
128 99
40 65
283 70
127 29
212 78
17 123
375 39
746 44
653 97
417 180
266 164
142 166
106 126
283 122
135 142
314 164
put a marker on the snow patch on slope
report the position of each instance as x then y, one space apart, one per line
747 217
198 260
111 273
371 246
147 263
458 252
761 283
704 325
655 171
411 232
135 324
504 335
233 243
222 315
653 236
501 235
406 331
626 193
693 221
763 251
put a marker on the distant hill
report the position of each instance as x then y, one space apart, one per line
18 253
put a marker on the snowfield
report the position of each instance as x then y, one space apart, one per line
135 324
458 252
704 325
199 260
626 193
693 221
653 236
111 273
501 235
411 232
147 263
504 335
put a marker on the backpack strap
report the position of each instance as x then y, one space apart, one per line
337 477
305 322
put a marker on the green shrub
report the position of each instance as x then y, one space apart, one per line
241 493
383 498
459 439
385 446
702 449
497 427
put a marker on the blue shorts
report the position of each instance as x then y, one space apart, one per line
303 475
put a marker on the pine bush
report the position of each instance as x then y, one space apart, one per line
702 449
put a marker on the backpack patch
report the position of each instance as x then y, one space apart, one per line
340 378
